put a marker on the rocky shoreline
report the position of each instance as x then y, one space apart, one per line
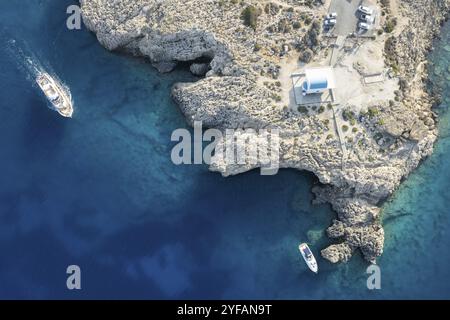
240 49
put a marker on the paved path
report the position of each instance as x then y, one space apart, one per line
336 114
340 41
346 23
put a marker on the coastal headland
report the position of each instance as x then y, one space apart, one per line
361 140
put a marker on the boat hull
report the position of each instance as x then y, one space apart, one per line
309 258
55 94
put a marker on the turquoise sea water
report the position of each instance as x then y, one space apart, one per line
100 191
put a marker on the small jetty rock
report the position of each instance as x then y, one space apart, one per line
199 69
335 253
238 49
165 67
357 226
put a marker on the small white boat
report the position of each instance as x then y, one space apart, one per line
56 94
309 257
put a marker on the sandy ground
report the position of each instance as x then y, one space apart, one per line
351 70
357 94
402 21
288 67
351 90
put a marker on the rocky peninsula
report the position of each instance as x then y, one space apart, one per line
360 147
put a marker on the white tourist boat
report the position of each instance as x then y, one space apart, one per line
309 257
57 95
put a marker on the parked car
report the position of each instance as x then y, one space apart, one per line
330 22
367 18
365 10
363 26
332 15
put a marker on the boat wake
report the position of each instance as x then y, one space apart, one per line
31 66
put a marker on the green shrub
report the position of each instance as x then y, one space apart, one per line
390 25
348 115
250 16
386 4
302 109
373 111
276 97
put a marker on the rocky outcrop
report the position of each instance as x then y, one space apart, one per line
199 69
239 62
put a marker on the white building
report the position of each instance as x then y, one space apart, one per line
317 80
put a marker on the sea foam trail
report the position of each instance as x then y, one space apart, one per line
30 64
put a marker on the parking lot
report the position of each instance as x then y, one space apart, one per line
348 17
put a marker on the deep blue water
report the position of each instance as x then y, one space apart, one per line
100 191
